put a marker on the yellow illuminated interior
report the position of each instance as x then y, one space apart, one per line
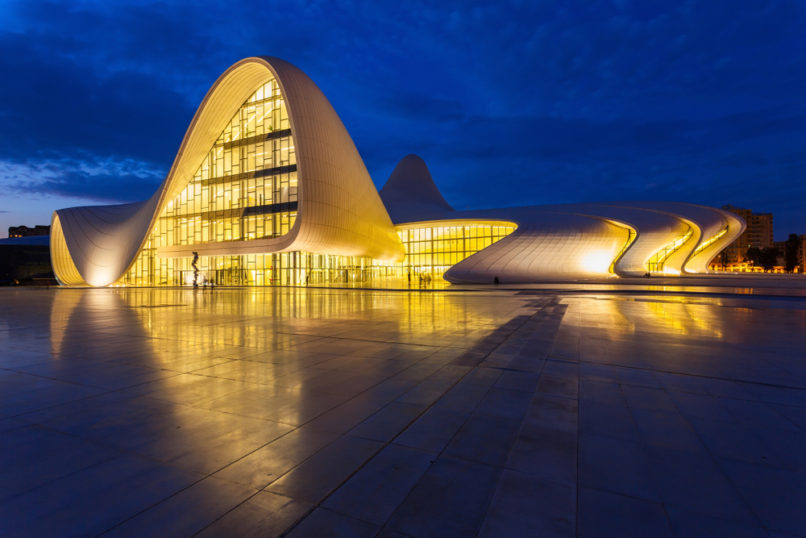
245 188
432 250
711 241
632 235
656 261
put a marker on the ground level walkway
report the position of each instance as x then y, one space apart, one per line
568 410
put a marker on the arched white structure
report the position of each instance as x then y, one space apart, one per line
332 211
339 212
666 239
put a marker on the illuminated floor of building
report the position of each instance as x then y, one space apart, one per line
166 412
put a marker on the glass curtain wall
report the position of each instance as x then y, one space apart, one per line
656 262
432 250
245 188
276 269
711 241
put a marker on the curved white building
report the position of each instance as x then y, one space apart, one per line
268 188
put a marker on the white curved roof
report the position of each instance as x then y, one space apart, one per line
339 210
410 193
546 246
571 241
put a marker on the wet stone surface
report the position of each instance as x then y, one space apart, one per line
314 412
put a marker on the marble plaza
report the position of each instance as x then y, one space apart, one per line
494 412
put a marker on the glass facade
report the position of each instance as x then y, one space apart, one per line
711 241
274 269
656 261
631 237
245 188
432 250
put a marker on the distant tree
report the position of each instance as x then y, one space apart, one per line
754 255
723 258
763 257
791 252
769 258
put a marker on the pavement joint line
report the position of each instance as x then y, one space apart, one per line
717 464
684 374
650 293
179 491
520 429
673 372
468 417
84 397
412 421
259 448
578 484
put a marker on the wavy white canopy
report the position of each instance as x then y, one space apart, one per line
569 241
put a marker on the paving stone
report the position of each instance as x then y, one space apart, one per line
323 522
776 496
265 514
33 456
322 473
702 487
554 411
523 506
639 397
616 465
93 500
388 422
546 452
268 463
433 430
611 420
451 499
485 439
374 492
558 386
603 513
733 441
667 430
188 511
691 524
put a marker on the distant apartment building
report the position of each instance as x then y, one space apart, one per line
759 234
25 231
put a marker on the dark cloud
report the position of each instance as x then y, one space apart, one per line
508 102
84 176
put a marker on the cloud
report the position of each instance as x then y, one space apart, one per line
537 101
92 177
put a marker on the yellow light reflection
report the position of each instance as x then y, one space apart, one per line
655 264
597 261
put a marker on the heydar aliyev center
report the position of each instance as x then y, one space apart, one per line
268 189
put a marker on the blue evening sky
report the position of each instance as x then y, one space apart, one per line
509 102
